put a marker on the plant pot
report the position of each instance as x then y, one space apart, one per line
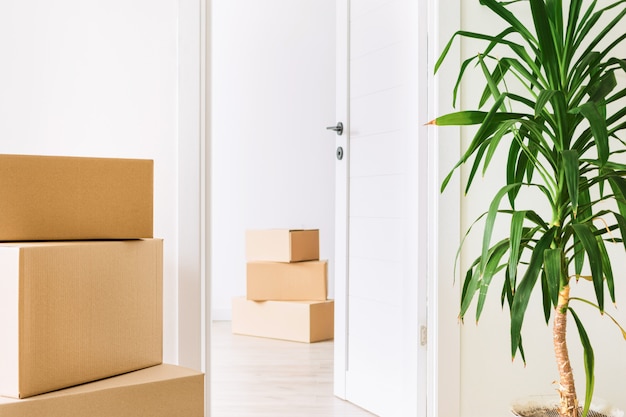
542 406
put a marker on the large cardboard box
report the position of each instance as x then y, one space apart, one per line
159 391
282 245
299 321
73 312
67 198
287 281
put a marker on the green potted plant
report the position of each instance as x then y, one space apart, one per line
550 100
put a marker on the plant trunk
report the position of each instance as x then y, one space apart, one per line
567 391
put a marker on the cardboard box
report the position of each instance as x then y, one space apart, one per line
282 245
73 312
68 198
159 391
299 321
287 281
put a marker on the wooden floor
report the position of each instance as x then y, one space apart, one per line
260 377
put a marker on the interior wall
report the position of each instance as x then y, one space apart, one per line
444 345
273 78
490 382
95 78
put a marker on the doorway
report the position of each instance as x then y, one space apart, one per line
251 199
273 160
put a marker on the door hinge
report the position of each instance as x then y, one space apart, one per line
423 335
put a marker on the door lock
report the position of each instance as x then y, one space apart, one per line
340 153
338 128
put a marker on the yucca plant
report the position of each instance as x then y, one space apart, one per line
551 99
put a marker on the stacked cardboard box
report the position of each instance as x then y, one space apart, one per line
287 288
81 293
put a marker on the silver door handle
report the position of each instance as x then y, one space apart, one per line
338 128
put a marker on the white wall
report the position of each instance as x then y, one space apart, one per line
490 382
273 161
98 78
443 331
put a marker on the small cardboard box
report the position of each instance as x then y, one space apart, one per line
69 198
78 311
282 245
158 391
298 321
287 281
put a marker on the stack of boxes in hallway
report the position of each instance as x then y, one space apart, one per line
287 288
81 307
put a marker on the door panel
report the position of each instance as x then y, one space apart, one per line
374 28
388 208
379 70
380 105
376 339
374 373
388 162
379 196
387 284
377 113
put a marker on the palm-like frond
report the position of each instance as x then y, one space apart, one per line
562 135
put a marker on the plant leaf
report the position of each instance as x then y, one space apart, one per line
579 256
515 240
618 185
589 360
542 100
471 117
546 41
584 200
621 222
572 22
570 166
470 286
493 79
516 164
597 124
476 164
493 266
606 28
605 85
554 267
507 290
606 268
490 222
622 330
493 145
589 242
545 296
524 290
510 18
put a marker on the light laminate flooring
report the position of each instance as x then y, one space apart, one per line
258 377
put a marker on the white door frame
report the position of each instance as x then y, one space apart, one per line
205 206
341 201
190 143
443 229
444 341
194 288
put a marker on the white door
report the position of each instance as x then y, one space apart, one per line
381 259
